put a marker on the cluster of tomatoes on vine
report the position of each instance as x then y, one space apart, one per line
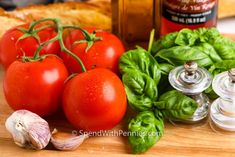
48 66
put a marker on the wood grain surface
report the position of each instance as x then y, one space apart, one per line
199 140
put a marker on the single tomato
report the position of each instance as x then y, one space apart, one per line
103 53
12 48
36 86
94 100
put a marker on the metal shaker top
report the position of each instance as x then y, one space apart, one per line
190 79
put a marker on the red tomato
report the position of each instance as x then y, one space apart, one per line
11 48
36 86
94 100
104 53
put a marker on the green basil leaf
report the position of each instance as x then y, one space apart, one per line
225 48
186 37
175 105
222 66
209 51
145 130
211 93
141 90
141 61
164 42
178 55
165 68
207 35
164 84
201 34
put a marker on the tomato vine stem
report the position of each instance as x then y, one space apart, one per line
90 38
58 37
34 23
63 48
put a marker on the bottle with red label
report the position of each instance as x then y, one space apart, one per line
178 14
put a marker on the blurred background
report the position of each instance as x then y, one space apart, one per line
226 22
11 4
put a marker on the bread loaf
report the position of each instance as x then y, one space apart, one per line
7 22
73 13
96 14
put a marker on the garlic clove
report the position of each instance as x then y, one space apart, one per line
28 129
65 141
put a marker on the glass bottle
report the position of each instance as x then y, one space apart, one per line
223 108
132 20
178 14
192 81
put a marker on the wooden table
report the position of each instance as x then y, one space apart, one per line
181 140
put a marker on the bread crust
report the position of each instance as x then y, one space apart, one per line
7 21
95 13
71 13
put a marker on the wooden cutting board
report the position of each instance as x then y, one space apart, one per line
178 140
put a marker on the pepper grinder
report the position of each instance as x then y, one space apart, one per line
223 108
192 81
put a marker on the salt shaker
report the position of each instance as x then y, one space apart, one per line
192 81
223 108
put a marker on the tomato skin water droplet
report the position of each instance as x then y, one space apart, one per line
179 14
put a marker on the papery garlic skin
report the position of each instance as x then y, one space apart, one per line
28 129
69 143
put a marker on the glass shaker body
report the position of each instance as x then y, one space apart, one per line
179 14
223 108
192 81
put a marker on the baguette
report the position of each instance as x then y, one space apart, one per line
7 22
95 13
72 13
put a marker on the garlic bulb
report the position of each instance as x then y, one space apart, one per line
28 129
64 141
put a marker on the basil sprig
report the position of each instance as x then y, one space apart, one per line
142 75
